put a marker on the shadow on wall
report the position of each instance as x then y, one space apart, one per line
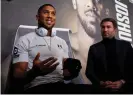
7 40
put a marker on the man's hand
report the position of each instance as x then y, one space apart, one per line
46 66
113 85
104 84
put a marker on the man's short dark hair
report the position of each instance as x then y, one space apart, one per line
44 5
110 20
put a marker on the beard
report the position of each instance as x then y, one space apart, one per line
48 27
91 27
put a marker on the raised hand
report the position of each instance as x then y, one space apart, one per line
46 66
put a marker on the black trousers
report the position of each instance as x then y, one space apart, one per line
50 88
59 88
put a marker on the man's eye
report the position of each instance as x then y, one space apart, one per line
108 27
103 27
45 12
53 13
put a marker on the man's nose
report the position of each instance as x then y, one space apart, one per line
90 5
105 29
49 15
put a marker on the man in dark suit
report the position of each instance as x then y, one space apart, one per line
110 63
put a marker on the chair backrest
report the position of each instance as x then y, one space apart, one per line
61 32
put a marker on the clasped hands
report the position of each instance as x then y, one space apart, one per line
112 85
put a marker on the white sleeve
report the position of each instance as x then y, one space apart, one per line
65 48
20 52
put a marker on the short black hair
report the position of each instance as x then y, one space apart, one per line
110 20
44 5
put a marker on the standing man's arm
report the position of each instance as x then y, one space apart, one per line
90 68
128 65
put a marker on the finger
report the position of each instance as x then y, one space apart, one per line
108 83
114 87
115 83
110 86
54 65
37 56
50 62
47 60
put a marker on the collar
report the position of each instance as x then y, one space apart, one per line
108 41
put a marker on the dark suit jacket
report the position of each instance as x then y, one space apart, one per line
97 65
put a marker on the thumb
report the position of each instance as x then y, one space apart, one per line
37 56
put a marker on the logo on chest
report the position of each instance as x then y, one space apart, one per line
59 46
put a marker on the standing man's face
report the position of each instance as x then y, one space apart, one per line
108 30
46 18
89 15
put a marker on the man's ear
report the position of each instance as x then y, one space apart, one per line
37 17
74 4
115 31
